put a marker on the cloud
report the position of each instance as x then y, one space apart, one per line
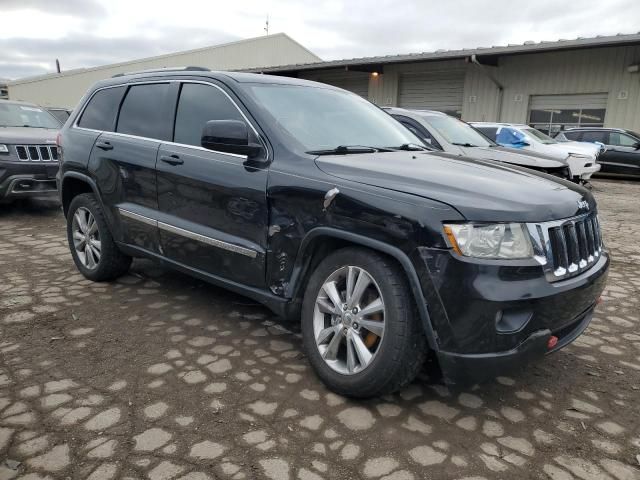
28 57
74 7
85 33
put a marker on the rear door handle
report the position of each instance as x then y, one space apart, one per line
172 160
104 145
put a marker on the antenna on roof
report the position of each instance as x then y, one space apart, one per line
266 26
57 65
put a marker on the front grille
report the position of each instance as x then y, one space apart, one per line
569 247
37 153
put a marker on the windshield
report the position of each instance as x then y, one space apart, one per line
12 115
538 135
457 132
324 119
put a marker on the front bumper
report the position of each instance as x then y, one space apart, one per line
461 369
491 317
27 179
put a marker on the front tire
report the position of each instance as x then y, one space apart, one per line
360 326
93 249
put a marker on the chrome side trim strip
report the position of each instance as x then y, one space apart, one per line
208 240
138 217
230 247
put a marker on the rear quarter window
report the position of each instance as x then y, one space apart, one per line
100 113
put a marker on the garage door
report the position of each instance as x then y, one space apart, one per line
554 113
356 82
441 91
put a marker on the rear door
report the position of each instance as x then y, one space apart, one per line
213 210
124 162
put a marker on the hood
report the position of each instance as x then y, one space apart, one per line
479 190
513 156
27 135
580 148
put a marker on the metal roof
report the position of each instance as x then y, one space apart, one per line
498 50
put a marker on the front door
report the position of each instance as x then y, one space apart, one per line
213 210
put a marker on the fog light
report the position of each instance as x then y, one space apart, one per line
553 341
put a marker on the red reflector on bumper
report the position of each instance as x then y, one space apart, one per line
599 300
553 341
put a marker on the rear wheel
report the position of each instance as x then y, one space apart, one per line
92 247
359 324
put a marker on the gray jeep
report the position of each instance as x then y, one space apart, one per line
28 151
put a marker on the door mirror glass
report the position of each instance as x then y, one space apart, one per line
230 136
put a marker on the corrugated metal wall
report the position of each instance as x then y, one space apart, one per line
558 73
591 71
65 90
356 82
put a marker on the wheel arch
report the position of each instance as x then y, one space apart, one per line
329 239
74 184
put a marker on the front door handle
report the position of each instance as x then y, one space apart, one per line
104 145
172 160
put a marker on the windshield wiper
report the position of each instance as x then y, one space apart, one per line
412 147
348 149
464 144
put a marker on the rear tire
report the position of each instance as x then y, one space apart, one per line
93 249
340 320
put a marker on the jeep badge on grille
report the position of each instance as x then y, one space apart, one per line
583 205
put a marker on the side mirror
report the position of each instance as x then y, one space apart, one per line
637 146
230 136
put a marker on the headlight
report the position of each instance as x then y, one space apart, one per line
4 148
499 240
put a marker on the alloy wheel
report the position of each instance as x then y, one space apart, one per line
349 320
86 238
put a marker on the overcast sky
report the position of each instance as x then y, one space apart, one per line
85 33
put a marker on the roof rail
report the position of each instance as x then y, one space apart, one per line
165 69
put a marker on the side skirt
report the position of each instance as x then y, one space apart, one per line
278 305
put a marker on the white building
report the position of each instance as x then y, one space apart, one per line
551 85
66 88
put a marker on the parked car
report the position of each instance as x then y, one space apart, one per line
62 114
28 152
582 160
448 134
622 154
318 204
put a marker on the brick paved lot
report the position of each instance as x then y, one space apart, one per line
163 377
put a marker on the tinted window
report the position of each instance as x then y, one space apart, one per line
100 113
490 132
572 135
197 105
622 140
418 130
145 111
593 136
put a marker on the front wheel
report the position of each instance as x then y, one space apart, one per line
93 249
359 324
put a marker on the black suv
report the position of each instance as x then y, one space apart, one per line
622 154
320 205
28 153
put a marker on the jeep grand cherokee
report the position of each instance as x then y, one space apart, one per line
28 153
318 204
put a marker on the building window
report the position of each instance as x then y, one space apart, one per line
553 121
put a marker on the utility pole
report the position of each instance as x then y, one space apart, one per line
57 65
266 26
